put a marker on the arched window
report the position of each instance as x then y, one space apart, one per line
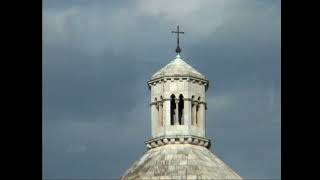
197 115
180 110
172 109
197 112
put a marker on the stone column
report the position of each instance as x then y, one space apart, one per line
166 113
187 112
160 114
203 117
194 112
154 119
177 112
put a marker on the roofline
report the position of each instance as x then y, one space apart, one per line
177 77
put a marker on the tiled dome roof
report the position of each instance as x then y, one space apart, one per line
177 67
179 161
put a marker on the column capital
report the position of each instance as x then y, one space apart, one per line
195 103
153 103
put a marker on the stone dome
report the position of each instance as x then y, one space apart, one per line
177 67
179 161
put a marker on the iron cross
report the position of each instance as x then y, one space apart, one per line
178 50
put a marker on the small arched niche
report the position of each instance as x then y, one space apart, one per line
197 116
180 110
172 109
156 101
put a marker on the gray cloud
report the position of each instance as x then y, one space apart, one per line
98 56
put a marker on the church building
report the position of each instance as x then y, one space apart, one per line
178 148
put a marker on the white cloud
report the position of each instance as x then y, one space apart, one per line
94 28
90 29
199 18
54 25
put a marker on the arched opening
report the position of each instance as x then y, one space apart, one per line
193 119
156 102
197 115
197 112
172 109
180 110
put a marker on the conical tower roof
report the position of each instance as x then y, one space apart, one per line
177 67
180 161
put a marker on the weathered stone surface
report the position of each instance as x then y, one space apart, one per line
178 148
177 67
178 78
179 161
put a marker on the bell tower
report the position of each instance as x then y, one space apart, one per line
178 147
178 104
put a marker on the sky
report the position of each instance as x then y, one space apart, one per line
98 56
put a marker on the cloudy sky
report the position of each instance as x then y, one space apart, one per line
98 56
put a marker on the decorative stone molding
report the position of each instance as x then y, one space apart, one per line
178 139
196 141
189 141
205 144
153 103
154 144
176 99
192 79
159 142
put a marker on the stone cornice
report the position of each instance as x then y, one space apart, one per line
164 79
185 99
178 139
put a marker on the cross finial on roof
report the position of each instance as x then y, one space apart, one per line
178 49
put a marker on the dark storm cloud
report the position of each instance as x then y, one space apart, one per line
98 56
71 88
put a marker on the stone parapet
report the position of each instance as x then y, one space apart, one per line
178 139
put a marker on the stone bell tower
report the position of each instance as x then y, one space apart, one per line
178 105
178 147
